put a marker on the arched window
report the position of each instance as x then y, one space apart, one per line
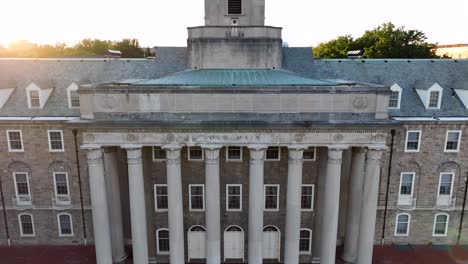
402 224
26 224
233 229
162 241
305 241
440 224
65 224
197 228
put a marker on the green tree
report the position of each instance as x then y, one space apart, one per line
385 41
130 48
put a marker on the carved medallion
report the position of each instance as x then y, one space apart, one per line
131 137
338 137
89 137
379 137
360 103
170 137
299 137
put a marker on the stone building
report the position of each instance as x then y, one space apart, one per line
233 149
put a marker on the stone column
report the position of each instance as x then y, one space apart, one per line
256 199
137 204
115 207
293 205
331 205
176 211
354 205
213 210
369 206
102 237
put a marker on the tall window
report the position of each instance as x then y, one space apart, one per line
402 224
452 141
61 184
34 99
15 140
305 241
309 154
394 100
406 183
55 140
195 153
440 224
197 197
413 139
234 153
160 197
159 153
21 184
445 185
273 153
234 7
65 224
434 99
74 99
162 239
271 197
26 224
307 197
234 197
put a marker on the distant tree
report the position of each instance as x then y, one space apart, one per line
130 48
385 41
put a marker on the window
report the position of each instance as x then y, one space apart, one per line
73 96
160 197
309 154
234 7
234 153
162 240
412 141
452 141
402 225
440 224
445 184
159 153
65 224
55 140
21 184
434 99
305 241
271 197
195 153
61 184
406 183
394 101
197 197
273 153
26 224
34 99
307 197
234 197
15 140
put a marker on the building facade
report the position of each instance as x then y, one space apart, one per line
233 149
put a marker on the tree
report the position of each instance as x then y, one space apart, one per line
385 41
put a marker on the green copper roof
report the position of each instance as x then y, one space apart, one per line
235 77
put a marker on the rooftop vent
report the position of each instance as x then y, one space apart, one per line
355 54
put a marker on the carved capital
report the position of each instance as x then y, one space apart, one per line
335 155
133 154
211 154
172 154
295 156
373 156
257 154
94 156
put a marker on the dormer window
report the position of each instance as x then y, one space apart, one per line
430 94
434 99
34 99
37 96
234 7
73 96
395 97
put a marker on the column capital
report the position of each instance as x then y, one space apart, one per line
133 154
94 154
131 147
335 155
373 156
211 155
295 156
257 147
211 146
257 154
297 147
172 154
90 147
171 147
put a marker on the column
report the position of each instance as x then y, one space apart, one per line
102 238
354 205
369 206
331 205
115 207
293 205
137 204
213 210
257 158
176 212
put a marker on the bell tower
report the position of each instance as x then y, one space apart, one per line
234 12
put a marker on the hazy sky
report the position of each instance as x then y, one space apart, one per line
163 23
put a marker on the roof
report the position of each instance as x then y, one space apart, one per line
233 77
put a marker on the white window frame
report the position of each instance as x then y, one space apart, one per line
279 154
310 241
459 141
9 144
407 227
190 198
446 225
60 227
72 88
154 158
440 182
396 88
419 141
314 149
277 197
190 158
227 153
21 225
159 252
413 174
156 208
312 201
55 185
227 197
16 186
50 142
28 94
438 89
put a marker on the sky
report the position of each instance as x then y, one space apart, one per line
164 23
